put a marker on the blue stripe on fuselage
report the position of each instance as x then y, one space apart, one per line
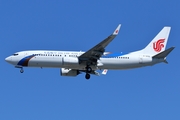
25 60
114 55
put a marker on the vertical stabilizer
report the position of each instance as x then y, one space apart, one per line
158 44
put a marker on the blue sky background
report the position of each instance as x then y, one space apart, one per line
150 93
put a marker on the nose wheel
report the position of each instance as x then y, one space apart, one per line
21 70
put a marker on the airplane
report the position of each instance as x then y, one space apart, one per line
72 63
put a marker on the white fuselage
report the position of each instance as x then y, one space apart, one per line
72 63
69 59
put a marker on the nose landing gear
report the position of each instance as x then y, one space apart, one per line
21 70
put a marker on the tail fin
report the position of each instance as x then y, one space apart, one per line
158 44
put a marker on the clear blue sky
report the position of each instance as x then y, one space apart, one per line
151 93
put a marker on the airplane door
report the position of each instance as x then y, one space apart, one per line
140 59
25 54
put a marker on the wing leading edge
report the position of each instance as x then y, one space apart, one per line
91 56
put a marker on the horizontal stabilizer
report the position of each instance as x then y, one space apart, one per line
164 53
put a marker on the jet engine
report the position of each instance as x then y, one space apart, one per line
68 72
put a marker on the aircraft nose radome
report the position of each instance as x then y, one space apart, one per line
8 59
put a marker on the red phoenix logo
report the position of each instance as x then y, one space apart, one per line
116 31
158 45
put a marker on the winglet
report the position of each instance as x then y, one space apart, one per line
104 72
117 30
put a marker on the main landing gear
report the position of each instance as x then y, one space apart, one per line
87 76
88 70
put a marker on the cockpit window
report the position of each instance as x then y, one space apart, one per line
15 54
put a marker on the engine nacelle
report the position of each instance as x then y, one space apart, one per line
70 61
68 72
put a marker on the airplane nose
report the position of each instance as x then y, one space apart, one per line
8 59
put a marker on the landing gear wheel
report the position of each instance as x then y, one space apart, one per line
88 69
87 76
21 71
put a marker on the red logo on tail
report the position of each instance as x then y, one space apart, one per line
158 45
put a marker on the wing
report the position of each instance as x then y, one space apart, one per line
91 56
